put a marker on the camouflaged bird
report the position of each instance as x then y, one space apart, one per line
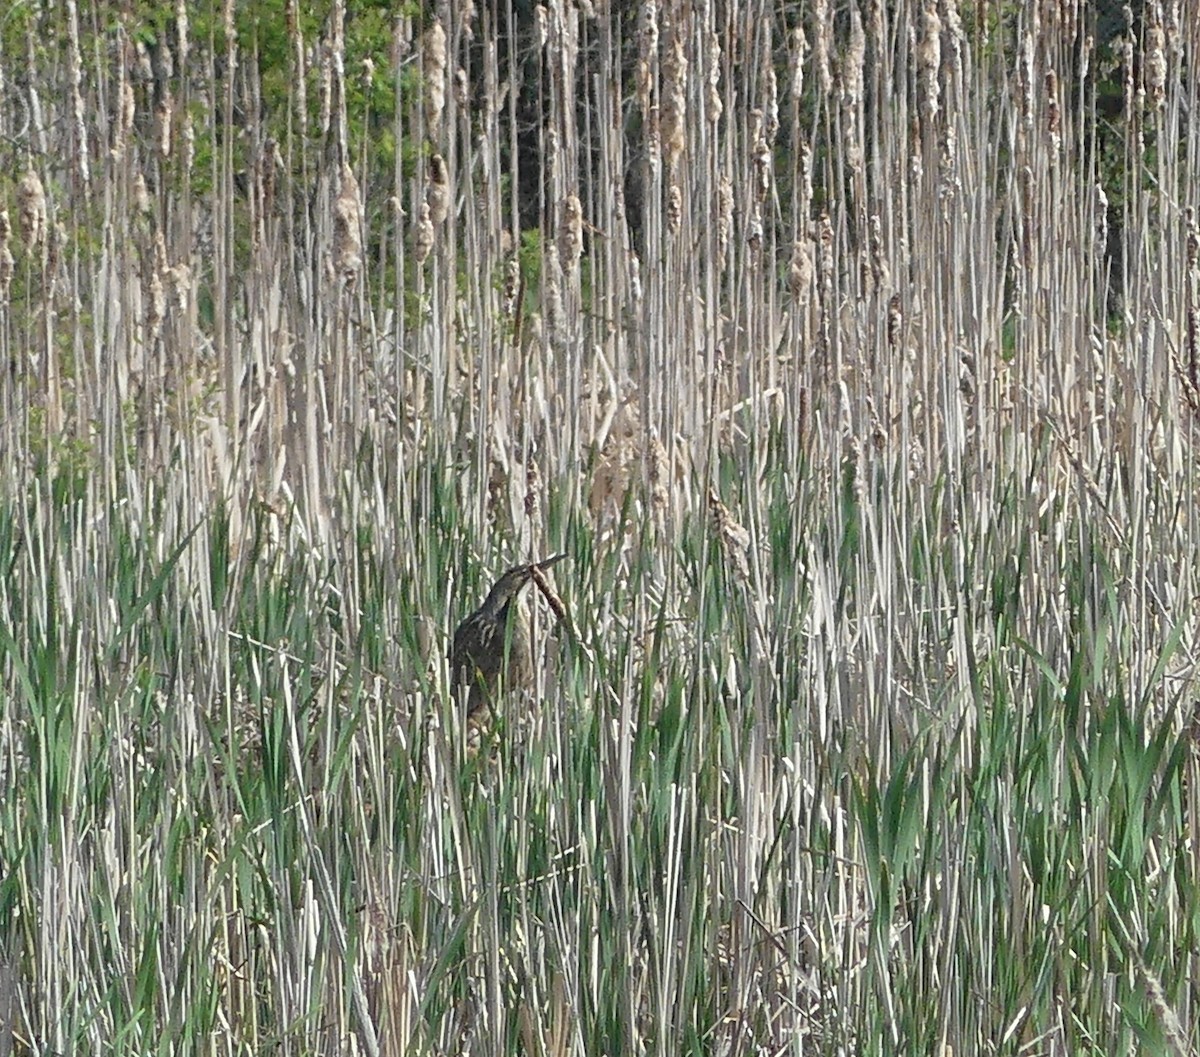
477 658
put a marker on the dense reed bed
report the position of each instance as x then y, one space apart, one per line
850 351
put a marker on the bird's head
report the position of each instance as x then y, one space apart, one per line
509 585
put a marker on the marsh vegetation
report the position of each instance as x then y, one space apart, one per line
849 350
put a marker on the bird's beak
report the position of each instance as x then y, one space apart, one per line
547 562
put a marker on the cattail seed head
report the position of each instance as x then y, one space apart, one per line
433 63
823 45
673 119
437 194
800 270
895 321
143 70
466 19
724 219
141 196
754 234
423 235
715 105
512 287
164 63
401 42
347 238
1053 114
31 210
735 539
533 493
179 277
1100 217
570 233
880 270
799 49
853 65
1156 64
762 158
929 61
647 54
181 32
188 138
7 264
125 116
154 295
162 121
674 208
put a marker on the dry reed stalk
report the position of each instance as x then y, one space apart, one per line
1192 332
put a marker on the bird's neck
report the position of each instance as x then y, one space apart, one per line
498 603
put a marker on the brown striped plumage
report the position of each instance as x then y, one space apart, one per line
477 657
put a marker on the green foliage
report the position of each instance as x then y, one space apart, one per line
1060 779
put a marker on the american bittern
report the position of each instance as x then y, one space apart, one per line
491 651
